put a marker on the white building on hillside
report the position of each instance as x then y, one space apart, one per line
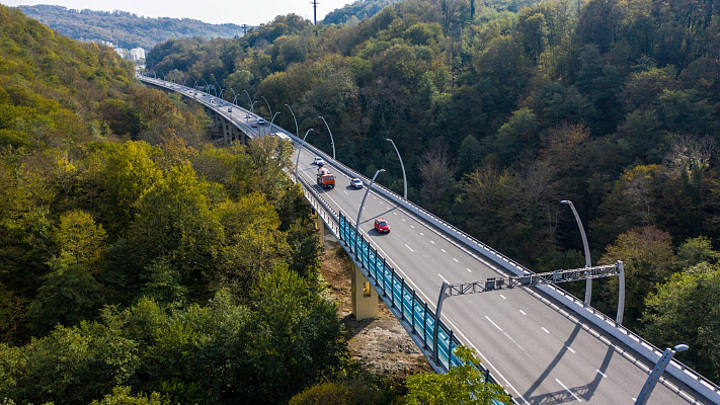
137 54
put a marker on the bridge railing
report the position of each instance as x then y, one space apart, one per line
401 298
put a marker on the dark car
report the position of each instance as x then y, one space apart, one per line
382 226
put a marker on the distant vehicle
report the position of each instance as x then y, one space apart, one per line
318 161
254 125
230 109
261 121
282 136
325 179
356 183
382 226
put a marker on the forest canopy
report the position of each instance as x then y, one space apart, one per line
138 263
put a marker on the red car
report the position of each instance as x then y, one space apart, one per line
382 226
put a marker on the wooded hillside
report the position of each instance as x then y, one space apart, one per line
137 264
125 30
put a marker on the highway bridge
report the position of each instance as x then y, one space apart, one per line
539 342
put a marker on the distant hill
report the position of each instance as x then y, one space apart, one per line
124 29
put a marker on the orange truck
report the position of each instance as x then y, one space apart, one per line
325 179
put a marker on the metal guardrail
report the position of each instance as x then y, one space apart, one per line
679 370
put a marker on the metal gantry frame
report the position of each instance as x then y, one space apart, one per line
448 290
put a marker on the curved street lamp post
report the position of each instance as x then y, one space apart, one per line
302 144
268 105
249 98
357 222
332 141
297 130
588 263
402 166
657 371
270 127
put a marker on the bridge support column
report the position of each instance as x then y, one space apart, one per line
364 297
320 226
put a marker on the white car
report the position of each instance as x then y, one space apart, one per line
356 183
318 161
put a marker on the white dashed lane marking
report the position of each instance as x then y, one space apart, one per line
494 324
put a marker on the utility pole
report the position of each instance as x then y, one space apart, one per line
315 4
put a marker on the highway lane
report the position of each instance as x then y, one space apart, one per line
539 353
535 348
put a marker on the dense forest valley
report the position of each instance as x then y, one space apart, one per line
502 110
139 264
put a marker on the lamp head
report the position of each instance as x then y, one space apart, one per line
565 202
681 347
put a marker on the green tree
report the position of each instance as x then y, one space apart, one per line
175 220
79 237
517 137
123 396
695 251
461 384
298 339
69 366
648 258
127 174
686 309
68 295
341 393
533 31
